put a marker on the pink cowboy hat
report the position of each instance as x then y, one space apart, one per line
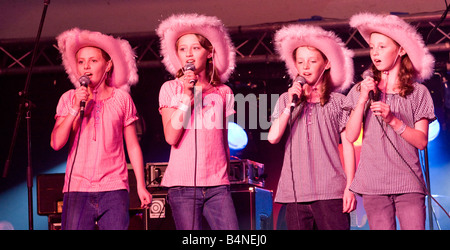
210 27
289 38
401 32
122 55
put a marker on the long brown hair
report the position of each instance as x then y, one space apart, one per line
211 71
326 78
406 76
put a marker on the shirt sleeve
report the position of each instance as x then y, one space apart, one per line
423 106
64 104
352 98
344 113
130 110
229 102
279 106
168 96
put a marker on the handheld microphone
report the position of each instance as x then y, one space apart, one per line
190 66
302 81
84 81
368 73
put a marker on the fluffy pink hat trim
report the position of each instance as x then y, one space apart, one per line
400 31
290 37
210 27
125 71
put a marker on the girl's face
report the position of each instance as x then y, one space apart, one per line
91 61
384 51
310 63
189 50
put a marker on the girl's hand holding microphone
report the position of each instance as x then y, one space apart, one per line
81 94
189 80
295 90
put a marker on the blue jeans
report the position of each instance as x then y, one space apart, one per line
86 210
214 203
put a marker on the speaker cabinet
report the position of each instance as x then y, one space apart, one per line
50 195
253 206
253 209
159 215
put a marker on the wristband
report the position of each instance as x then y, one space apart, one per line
183 107
401 129
287 111
73 112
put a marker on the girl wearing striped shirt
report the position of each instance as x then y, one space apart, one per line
395 122
313 182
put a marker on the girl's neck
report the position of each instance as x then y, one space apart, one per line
389 81
314 92
100 92
203 82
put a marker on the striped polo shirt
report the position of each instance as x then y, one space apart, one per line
317 171
381 170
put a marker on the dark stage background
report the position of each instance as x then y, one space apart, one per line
47 88
258 72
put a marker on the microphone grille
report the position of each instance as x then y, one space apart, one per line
84 80
189 66
367 73
300 79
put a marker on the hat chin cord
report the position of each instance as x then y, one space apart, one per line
98 85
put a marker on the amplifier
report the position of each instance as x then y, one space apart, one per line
240 172
50 195
254 209
246 172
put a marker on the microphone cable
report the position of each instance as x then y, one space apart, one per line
409 167
73 163
191 66
292 168
195 165
427 192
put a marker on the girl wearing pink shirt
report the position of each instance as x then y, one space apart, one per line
194 108
94 119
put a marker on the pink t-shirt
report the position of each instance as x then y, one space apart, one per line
100 163
212 150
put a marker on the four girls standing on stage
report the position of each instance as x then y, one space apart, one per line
391 107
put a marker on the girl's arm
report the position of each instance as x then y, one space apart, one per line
353 127
349 169
417 136
137 162
61 131
278 127
65 125
175 120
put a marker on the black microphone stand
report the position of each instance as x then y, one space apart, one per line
25 106
428 185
